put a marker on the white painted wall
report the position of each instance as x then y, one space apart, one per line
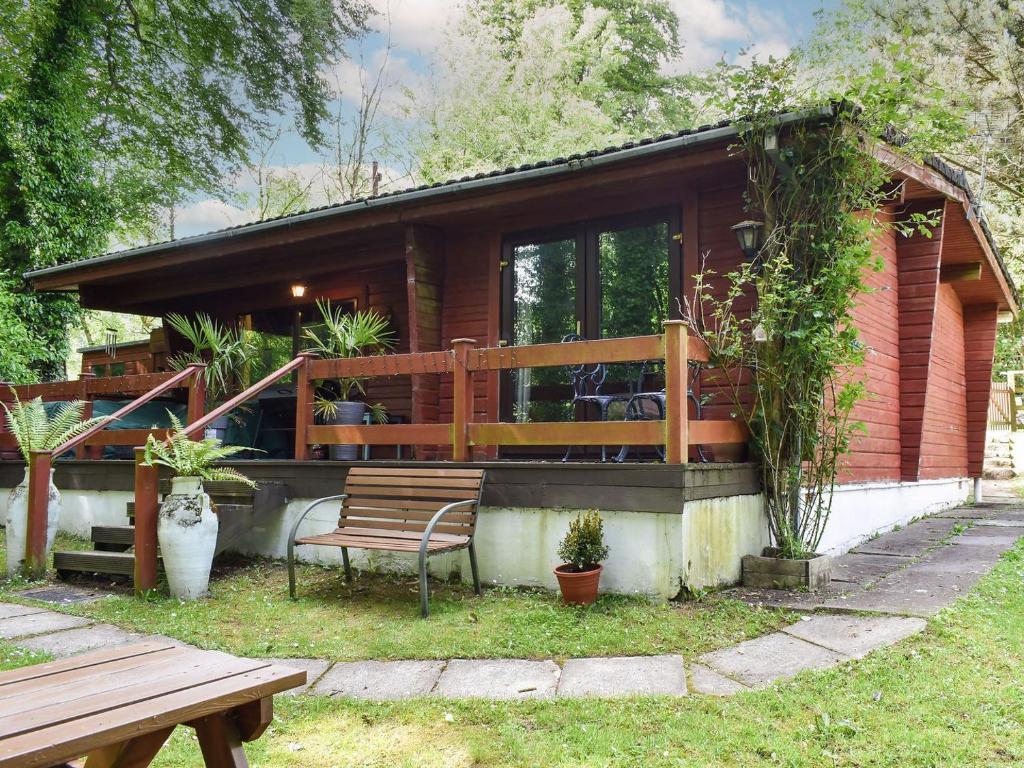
860 510
84 509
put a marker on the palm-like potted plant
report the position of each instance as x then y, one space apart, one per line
187 526
229 354
346 335
581 552
35 430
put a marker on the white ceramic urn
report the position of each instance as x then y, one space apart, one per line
187 532
17 522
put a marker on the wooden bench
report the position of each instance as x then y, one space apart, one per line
428 511
118 706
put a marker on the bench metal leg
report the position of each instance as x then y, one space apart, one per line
424 589
348 566
475 570
291 568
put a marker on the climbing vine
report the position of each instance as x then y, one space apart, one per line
790 363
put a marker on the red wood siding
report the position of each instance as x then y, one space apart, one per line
918 262
875 454
979 349
944 433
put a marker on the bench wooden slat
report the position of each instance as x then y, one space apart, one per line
120 692
397 535
414 528
392 513
65 741
382 542
414 472
367 502
413 492
82 662
441 483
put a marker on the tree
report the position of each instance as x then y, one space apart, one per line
521 81
113 110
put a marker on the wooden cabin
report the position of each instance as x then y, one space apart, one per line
602 245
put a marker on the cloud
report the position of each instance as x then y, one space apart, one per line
207 216
713 29
416 25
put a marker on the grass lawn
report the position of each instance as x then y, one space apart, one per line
249 614
950 697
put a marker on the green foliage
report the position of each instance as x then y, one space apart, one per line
35 430
583 547
228 353
345 335
112 111
819 207
193 458
523 81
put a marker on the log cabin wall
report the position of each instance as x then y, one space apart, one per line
876 454
944 432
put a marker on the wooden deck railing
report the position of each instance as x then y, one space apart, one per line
676 432
147 386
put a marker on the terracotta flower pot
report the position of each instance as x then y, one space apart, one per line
578 588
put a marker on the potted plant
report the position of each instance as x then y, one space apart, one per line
581 552
187 525
346 335
35 430
228 353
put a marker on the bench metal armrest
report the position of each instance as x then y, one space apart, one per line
300 518
437 518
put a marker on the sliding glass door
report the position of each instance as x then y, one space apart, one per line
600 279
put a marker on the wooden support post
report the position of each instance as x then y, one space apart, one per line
39 465
82 450
303 406
676 426
462 412
1013 400
197 395
147 492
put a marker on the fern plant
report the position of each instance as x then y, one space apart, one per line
35 430
193 458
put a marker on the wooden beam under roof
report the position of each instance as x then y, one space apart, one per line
955 273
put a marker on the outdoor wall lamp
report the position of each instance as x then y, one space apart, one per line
298 291
748 233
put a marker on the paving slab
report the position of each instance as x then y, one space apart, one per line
314 669
379 680
987 512
764 660
989 536
897 602
10 610
912 541
953 559
498 679
863 569
30 624
70 642
855 636
623 676
708 682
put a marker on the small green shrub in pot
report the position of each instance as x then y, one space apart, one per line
582 551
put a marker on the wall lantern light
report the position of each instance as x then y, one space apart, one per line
748 233
298 291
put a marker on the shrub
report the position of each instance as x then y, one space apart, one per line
583 547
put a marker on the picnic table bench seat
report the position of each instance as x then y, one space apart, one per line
418 510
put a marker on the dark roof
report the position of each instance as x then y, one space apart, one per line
574 162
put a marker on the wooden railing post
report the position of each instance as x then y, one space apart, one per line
676 426
197 394
462 412
147 492
303 406
82 451
39 465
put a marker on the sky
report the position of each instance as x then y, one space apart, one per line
710 30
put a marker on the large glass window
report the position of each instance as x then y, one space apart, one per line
602 279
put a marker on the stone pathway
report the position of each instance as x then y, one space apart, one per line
905 575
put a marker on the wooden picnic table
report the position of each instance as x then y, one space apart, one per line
118 706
